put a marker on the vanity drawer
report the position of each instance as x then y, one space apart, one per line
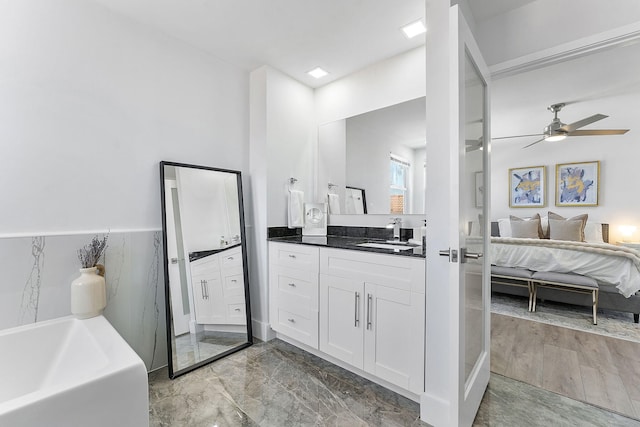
296 295
205 266
236 314
231 257
294 256
394 271
234 285
298 327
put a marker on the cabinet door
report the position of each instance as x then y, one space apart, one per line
394 336
342 318
208 299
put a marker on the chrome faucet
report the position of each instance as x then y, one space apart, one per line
395 224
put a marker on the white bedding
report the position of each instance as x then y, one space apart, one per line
606 263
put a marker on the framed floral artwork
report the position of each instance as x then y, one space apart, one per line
527 187
577 184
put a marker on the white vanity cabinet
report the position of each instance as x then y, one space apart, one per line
372 314
361 308
217 282
293 291
208 296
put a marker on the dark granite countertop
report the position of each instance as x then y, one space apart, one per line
343 242
202 254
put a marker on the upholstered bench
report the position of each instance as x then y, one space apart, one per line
514 276
568 282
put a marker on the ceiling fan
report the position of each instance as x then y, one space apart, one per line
557 131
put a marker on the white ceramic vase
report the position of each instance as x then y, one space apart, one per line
88 294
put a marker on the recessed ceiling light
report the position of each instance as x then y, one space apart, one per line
317 72
414 29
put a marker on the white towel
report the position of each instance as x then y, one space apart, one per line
334 204
296 209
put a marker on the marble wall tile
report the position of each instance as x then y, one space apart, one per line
36 274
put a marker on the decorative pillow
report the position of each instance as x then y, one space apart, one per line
504 227
561 228
526 228
593 232
544 222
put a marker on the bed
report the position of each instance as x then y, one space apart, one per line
616 269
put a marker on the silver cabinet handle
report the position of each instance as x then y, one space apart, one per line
206 288
234 281
292 256
237 309
174 260
230 258
204 294
291 320
369 300
356 310
293 285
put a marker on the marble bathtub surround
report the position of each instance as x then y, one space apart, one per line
276 384
37 271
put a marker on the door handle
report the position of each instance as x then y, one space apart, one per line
470 255
369 300
204 293
356 310
452 254
206 288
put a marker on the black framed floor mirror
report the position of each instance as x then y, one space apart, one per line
205 265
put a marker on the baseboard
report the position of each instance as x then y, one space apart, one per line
262 330
434 410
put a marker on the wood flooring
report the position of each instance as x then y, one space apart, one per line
596 369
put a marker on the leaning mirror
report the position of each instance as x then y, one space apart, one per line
205 268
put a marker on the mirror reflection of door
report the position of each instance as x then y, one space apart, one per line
206 269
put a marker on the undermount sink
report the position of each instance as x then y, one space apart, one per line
394 246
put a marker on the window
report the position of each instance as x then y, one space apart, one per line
399 184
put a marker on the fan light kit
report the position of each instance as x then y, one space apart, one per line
557 131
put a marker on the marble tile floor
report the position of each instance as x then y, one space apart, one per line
276 384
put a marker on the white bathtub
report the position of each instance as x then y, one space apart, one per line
70 372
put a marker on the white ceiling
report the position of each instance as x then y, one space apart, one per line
607 82
293 36
343 36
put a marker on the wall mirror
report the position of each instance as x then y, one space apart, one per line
383 153
206 270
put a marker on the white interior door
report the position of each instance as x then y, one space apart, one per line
458 300
180 307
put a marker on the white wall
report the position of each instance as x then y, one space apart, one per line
206 209
397 79
283 146
91 102
618 201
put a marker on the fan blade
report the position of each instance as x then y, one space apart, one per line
516 136
534 142
581 123
587 132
